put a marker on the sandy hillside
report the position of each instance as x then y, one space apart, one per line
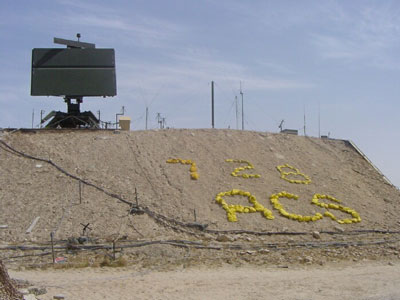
112 165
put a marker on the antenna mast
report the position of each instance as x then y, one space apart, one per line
237 112
241 93
147 115
212 104
305 120
319 119
161 121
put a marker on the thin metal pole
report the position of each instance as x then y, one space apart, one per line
80 192
319 119
305 134
159 120
33 116
241 93
147 116
237 112
212 104
113 247
194 214
52 247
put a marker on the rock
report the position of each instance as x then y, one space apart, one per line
308 259
208 237
263 251
37 290
59 296
338 228
316 235
83 239
224 238
24 291
72 241
390 263
30 297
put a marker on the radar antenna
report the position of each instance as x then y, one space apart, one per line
78 71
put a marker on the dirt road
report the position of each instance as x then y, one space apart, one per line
366 280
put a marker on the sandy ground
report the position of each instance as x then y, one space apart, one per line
366 280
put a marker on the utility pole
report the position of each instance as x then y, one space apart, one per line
241 93
147 115
305 134
319 119
212 104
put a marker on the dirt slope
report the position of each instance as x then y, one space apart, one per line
120 162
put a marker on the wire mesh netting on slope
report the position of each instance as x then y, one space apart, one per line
116 169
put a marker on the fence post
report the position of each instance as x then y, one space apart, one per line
113 247
52 246
80 192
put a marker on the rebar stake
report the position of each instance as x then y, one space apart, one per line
52 247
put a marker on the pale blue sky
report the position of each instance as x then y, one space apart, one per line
340 55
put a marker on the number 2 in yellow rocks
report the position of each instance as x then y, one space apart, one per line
232 209
278 206
193 168
356 217
249 166
294 172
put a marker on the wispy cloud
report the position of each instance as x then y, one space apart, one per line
188 73
369 35
331 47
144 30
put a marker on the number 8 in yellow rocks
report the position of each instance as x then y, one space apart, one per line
296 172
232 209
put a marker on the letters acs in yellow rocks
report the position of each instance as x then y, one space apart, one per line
315 200
232 209
355 215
